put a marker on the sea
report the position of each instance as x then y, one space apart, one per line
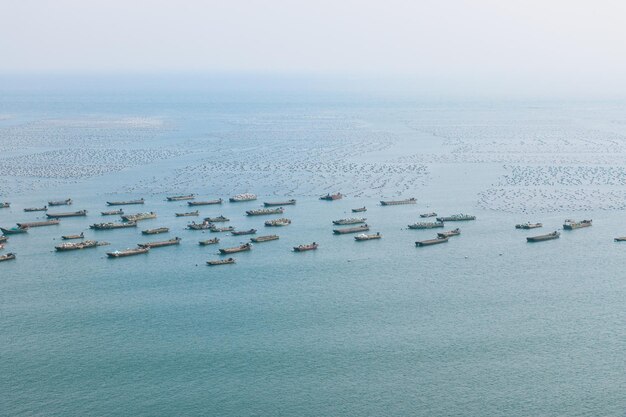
483 325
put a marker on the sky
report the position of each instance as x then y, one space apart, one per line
455 43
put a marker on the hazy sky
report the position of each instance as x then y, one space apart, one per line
567 42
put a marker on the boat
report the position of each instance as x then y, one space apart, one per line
2 246
572 224
214 229
14 230
219 219
359 210
7 257
155 231
5 205
209 242
352 220
528 225
243 232
304 248
221 262
280 203
242 197
31 209
332 197
189 214
181 197
265 238
541 238
617 239
426 215
430 242
450 233
125 203
3 238
70 237
205 203
263 212
398 202
66 202
200 226
175 241
456 218
138 216
64 247
425 225
127 252
112 212
278 222
363 236
241 248
27 225
362 228
79 213
111 226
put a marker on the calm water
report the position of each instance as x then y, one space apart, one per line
483 325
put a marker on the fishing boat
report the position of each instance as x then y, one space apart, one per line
31 209
266 238
155 231
362 237
278 222
205 203
449 233
214 229
242 197
79 213
14 230
70 237
352 220
209 242
241 248
189 214
398 202
541 238
430 242
127 252
3 238
332 197
620 239
359 210
357 229
138 216
425 225
221 262
111 226
200 226
426 215
7 257
243 232
125 203
171 242
5 205
27 225
572 224
219 219
181 197
456 218
66 202
528 225
64 247
304 248
112 212
280 203
263 212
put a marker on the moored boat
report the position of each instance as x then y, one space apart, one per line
221 262
189 214
112 212
430 242
620 239
43 223
205 203
398 202
243 232
3 238
70 237
362 237
170 242
31 209
181 197
125 203
214 229
352 220
7 257
111 226
425 225
528 225
456 218
205 225
127 252
357 229
241 248
278 222
79 213
64 247
572 224
218 219
242 197
332 197
155 231
14 230
359 210
266 238
279 203
426 215
209 242
449 233
541 238
138 216
5 205
304 248
66 202
263 212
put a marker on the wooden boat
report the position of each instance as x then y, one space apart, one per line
332 197
362 237
241 248
359 210
280 203
205 203
449 233
278 222
175 241
430 242
200 226
352 220
127 252
28 225
219 219
125 203
541 238
7 257
3 238
243 232
425 225
112 212
70 237
620 239
398 202
190 214
14 230
426 215
64 247
31 209
155 231
209 242
242 197
138 216
79 213
181 197
266 238
357 229
221 229
456 218
5 205
263 212
221 262
572 224
304 248
66 202
111 226
527 226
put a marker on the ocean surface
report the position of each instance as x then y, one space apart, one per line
484 325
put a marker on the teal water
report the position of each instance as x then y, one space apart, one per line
483 325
